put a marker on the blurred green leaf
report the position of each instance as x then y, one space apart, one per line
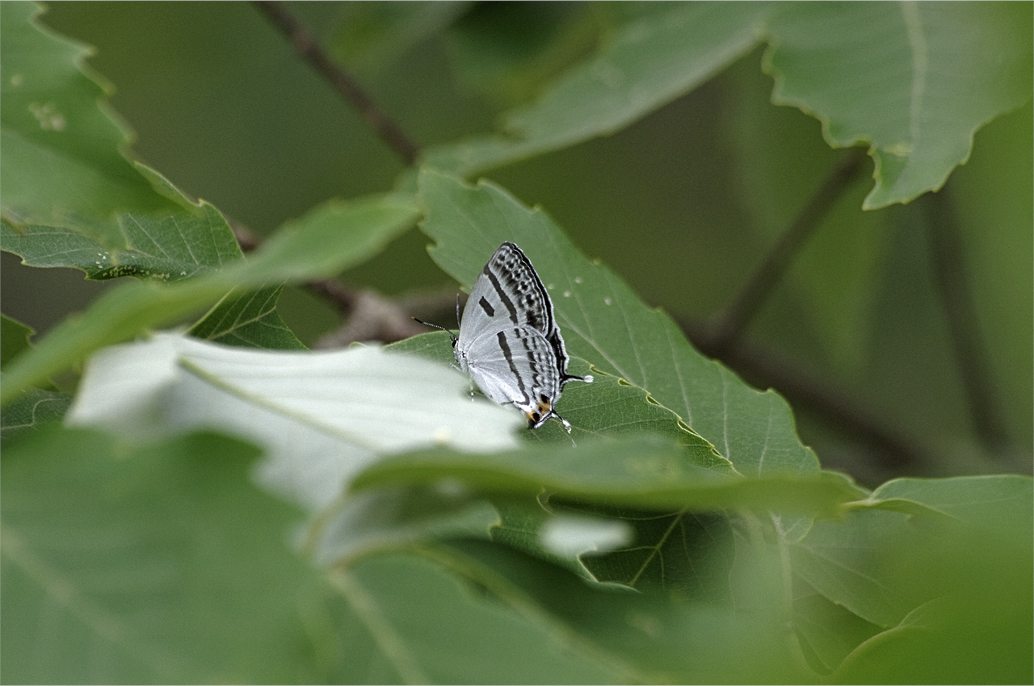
34 408
433 629
320 415
928 76
978 625
845 562
606 324
656 57
369 36
151 565
14 338
658 641
868 562
828 632
396 519
248 320
642 472
994 502
330 238
506 51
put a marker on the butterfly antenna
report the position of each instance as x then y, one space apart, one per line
435 326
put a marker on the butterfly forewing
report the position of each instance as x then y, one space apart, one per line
509 288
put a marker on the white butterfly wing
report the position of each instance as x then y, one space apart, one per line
514 365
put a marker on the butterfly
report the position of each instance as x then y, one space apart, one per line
509 342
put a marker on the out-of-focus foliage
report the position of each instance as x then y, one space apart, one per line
219 504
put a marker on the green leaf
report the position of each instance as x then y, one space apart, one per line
507 51
330 238
877 561
606 324
640 472
844 561
649 61
319 415
308 251
248 320
62 152
14 338
656 640
154 565
925 77
828 631
432 629
992 501
166 247
396 519
34 408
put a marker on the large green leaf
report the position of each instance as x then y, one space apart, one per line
156 565
991 502
606 324
657 640
185 576
62 152
924 77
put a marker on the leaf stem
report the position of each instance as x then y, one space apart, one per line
343 82
730 325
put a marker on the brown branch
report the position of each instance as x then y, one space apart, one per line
948 261
307 47
728 328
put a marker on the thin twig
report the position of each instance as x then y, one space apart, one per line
892 449
375 317
948 260
307 47
730 325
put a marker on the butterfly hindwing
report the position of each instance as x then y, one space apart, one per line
515 365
